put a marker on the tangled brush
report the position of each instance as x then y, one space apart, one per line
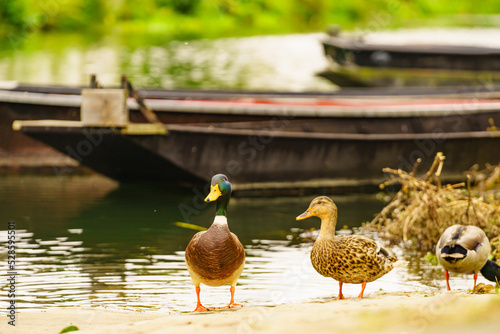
424 208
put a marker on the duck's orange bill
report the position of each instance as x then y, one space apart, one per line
308 213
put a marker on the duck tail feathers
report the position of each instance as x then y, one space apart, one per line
491 271
400 263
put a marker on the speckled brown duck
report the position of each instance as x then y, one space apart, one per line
345 258
216 257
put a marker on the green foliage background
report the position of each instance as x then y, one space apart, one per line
191 19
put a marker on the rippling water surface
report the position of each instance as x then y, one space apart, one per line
86 241
281 62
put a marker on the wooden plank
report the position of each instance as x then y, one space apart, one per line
145 129
18 125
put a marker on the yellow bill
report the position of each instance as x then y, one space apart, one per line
308 213
214 193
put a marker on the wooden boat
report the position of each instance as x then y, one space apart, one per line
23 102
340 146
356 63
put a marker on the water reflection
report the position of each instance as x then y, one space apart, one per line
287 62
87 242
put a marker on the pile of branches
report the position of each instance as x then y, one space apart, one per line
424 208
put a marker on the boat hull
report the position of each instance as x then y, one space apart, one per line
355 111
257 159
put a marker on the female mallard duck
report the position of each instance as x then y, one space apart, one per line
347 258
465 250
216 257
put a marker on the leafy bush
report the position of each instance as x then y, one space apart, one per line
218 18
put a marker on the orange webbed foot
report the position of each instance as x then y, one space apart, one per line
231 302
233 305
201 308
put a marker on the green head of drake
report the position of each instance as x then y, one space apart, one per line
220 191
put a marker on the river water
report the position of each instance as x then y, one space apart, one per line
85 241
284 62
275 62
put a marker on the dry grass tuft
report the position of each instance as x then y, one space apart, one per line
424 208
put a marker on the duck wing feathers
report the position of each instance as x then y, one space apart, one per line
351 259
469 237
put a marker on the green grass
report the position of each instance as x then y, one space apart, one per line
69 329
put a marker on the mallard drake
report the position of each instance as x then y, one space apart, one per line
216 256
464 250
345 258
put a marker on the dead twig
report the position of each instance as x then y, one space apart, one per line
424 208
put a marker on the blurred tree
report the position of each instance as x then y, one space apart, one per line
217 18
131 10
13 13
93 11
180 6
310 12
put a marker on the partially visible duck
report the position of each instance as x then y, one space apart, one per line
346 258
491 271
464 250
216 257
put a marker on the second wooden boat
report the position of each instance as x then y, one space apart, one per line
358 63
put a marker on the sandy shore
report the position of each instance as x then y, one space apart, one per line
415 312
